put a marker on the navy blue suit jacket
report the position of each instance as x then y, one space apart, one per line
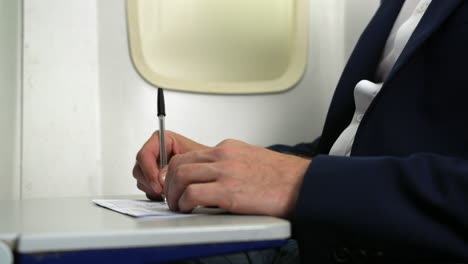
402 196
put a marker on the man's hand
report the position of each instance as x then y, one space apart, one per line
147 169
237 177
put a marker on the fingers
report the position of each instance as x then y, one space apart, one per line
143 185
148 156
195 167
146 168
185 169
149 176
203 194
152 197
179 178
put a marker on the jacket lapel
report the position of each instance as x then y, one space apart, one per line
436 14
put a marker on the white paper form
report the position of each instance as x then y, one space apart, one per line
147 208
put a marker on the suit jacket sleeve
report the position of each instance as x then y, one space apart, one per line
384 207
303 149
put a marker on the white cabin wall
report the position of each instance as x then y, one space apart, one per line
10 98
356 16
87 111
61 145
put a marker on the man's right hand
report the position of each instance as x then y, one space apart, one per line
147 170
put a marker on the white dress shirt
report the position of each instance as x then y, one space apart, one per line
365 91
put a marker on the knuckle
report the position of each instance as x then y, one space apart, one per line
155 134
141 155
174 160
232 198
227 203
228 141
181 173
135 171
191 193
168 132
140 186
173 166
222 151
174 176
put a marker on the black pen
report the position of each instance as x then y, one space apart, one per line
162 134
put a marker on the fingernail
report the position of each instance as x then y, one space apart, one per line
162 175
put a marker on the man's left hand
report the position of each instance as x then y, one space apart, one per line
237 177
